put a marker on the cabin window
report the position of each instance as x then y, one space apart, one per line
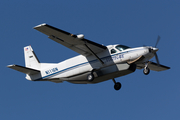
113 51
122 47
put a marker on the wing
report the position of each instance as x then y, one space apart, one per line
78 44
153 66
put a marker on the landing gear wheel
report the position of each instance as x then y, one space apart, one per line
146 71
117 86
90 77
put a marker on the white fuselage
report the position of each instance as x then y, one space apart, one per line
80 64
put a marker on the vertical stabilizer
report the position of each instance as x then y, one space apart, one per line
31 60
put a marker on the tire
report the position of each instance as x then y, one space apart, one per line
146 71
117 86
90 77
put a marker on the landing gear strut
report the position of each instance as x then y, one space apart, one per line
117 85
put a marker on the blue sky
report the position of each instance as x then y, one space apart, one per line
129 22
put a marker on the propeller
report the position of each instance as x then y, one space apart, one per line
157 41
156 56
157 60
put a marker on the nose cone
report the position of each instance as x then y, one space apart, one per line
155 49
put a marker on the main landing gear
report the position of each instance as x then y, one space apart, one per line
117 85
90 77
146 70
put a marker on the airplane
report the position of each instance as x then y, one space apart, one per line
96 62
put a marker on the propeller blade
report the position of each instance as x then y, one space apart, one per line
157 40
157 60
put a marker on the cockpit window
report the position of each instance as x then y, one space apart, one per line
122 47
113 51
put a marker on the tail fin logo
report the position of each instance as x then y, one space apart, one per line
26 49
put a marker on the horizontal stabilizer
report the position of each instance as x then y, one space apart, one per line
25 70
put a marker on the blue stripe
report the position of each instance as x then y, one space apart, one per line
64 70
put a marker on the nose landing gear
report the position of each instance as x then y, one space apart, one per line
146 70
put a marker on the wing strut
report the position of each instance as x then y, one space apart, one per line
94 54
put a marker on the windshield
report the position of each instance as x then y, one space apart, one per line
122 47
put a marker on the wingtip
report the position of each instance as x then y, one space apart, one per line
40 25
9 66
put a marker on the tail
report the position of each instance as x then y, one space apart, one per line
31 60
32 67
